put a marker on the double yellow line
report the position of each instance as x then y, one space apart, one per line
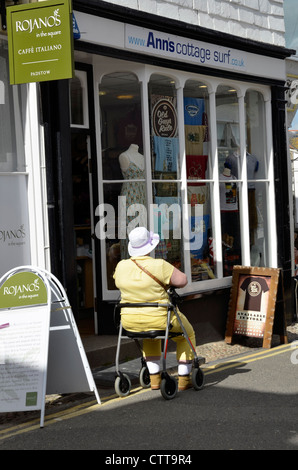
63 415
83 408
257 356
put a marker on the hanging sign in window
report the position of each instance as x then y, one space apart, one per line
40 41
164 118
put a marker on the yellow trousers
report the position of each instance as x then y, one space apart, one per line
152 347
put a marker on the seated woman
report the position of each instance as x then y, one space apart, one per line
138 286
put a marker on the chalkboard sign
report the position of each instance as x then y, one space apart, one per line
252 306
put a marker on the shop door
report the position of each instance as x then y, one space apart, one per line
83 156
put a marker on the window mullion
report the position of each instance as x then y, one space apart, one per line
243 199
271 191
216 221
185 215
146 151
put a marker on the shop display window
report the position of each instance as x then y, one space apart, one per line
198 173
165 167
228 144
173 152
123 164
257 177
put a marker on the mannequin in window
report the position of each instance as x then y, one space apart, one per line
252 165
130 158
233 162
132 165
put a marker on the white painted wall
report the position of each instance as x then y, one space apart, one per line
260 20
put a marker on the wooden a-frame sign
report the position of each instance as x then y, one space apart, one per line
256 307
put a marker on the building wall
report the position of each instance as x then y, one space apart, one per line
259 20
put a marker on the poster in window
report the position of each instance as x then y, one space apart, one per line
252 303
165 141
164 116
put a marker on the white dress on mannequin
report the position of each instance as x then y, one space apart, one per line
132 165
131 155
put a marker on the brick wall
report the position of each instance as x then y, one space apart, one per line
260 20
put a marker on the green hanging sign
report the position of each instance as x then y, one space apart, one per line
40 41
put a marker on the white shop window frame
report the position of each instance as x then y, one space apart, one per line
81 76
104 66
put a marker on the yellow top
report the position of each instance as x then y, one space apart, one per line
137 286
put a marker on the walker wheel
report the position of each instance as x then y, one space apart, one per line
168 387
122 385
144 377
197 378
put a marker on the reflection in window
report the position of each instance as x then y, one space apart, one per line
255 135
196 103
80 172
164 127
256 169
227 116
79 100
76 99
122 160
126 178
166 166
258 224
167 222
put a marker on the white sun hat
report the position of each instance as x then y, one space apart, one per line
141 241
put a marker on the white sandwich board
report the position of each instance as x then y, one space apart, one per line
41 351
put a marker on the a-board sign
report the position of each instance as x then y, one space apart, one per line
40 41
40 347
24 334
253 303
68 367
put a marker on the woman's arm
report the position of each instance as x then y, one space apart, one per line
178 279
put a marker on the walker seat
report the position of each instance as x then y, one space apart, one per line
144 334
169 386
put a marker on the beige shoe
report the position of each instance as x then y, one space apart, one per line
184 382
155 380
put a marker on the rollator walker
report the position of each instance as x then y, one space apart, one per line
169 386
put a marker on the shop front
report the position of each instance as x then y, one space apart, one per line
23 231
183 131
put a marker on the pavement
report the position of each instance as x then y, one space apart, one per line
101 349
101 352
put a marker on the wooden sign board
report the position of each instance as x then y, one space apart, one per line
252 307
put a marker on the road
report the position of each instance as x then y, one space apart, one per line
249 402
